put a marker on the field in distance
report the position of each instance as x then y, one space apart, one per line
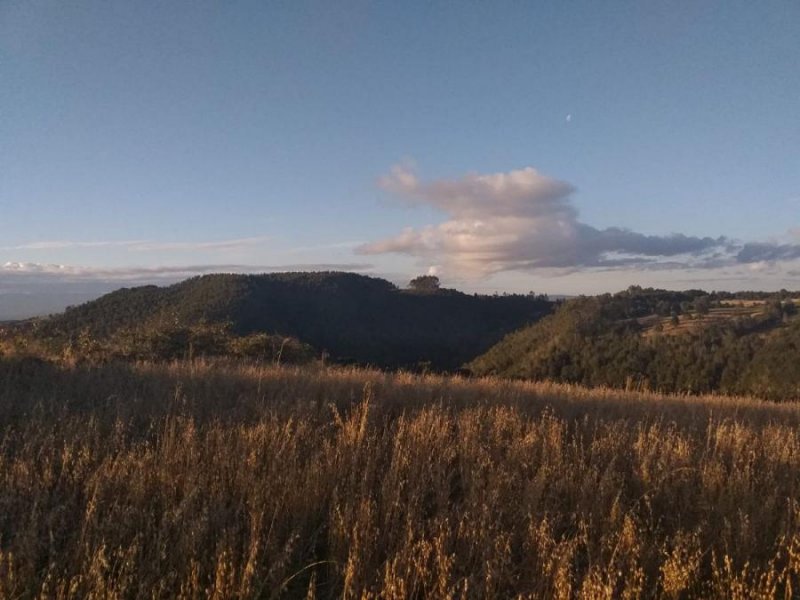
727 310
210 479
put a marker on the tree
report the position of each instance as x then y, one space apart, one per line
424 283
702 305
773 310
663 308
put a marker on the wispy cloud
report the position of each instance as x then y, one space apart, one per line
66 245
54 272
524 221
143 245
318 247
234 244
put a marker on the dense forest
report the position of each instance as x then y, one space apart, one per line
690 341
344 316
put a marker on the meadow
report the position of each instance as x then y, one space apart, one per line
201 479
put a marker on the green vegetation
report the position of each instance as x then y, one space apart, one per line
349 317
674 342
168 342
667 341
425 283
212 480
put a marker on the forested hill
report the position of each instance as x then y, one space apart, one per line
746 343
352 317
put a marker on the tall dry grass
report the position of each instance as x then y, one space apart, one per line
206 480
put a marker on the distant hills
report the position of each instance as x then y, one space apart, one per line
691 341
351 317
747 343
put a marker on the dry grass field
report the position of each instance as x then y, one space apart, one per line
196 480
693 321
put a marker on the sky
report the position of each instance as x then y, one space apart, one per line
560 148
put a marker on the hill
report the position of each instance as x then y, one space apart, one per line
669 341
211 479
352 317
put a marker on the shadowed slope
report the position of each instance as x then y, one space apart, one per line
353 317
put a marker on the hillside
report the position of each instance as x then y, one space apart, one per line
223 480
669 341
352 317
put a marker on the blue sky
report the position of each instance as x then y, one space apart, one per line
149 140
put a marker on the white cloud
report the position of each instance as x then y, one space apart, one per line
521 193
523 221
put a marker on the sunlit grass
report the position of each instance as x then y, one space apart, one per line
196 480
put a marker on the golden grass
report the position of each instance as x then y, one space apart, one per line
196 480
689 322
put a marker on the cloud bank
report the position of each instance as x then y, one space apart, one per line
525 221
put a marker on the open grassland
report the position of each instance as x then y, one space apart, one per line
694 321
196 480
